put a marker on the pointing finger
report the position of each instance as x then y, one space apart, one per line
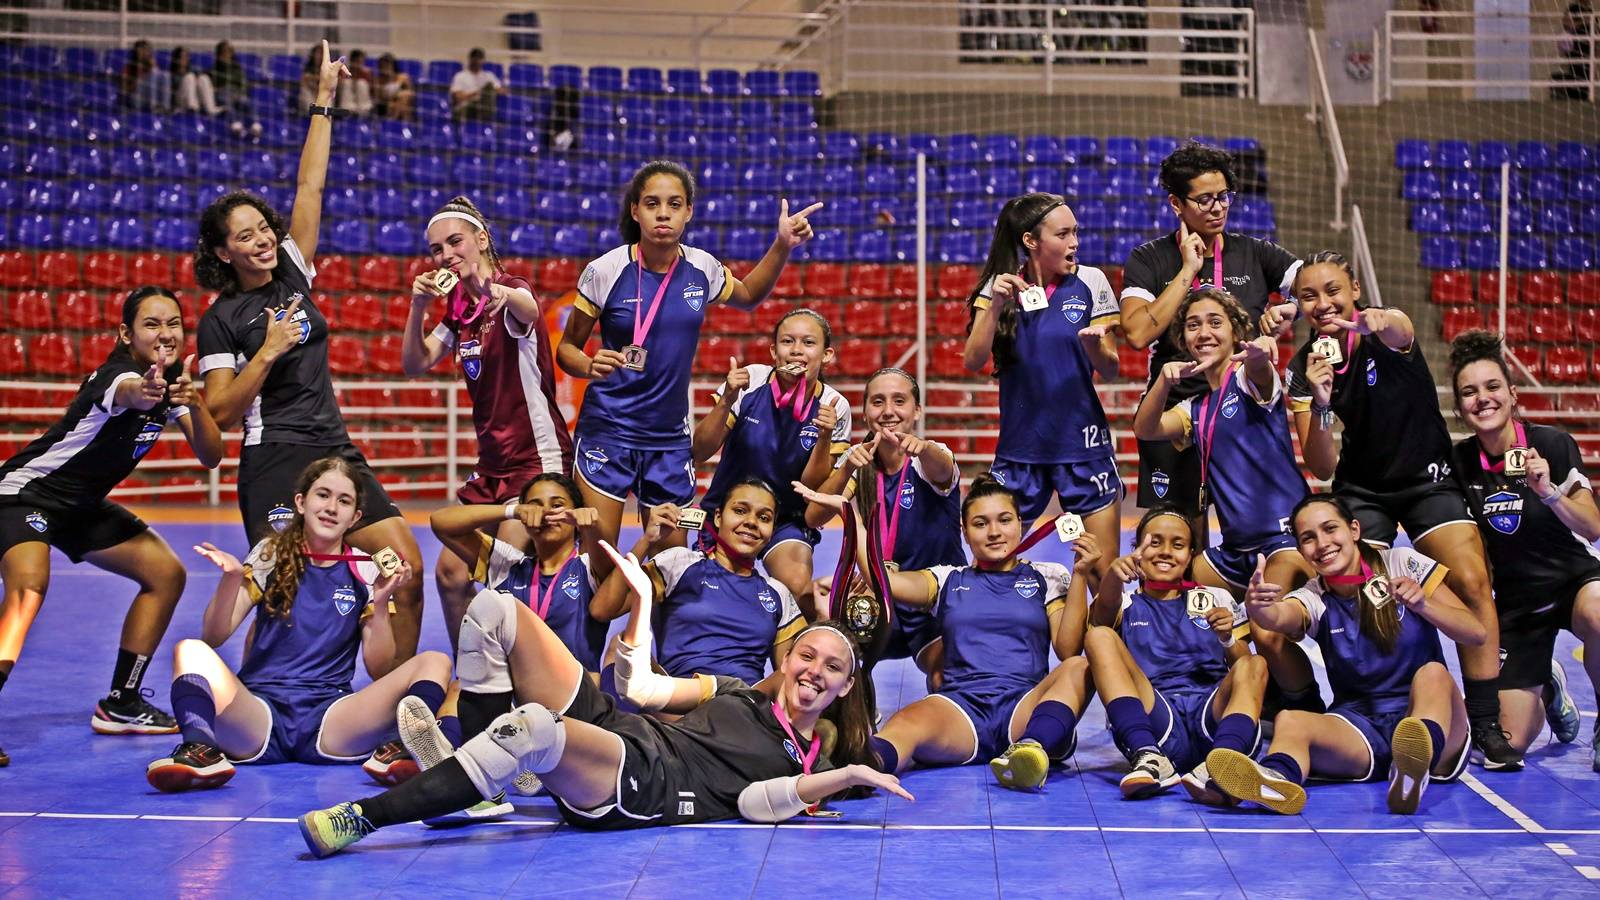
783 208
808 210
188 363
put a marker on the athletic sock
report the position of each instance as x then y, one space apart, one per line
1131 724
195 709
478 710
1483 698
1285 765
1236 731
441 790
1051 725
451 728
887 753
1436 732
429 692
128 676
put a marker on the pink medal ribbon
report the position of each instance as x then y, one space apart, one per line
1349 351
810 756
1216 267
889 524
795 397
1483 458
642 329
349 559
1169 585
458 304
1342 580
550 589
1210 428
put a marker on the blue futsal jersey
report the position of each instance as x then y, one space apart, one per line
768 443
1049 411
1359 672
996 625
1251 473
712 621
647 410
928 531
503 567
312 650
1179 654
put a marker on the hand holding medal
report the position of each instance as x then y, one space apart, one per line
1409 592
1085 554
1516 460
1319 374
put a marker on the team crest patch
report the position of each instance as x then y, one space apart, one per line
594 461
1372 372
1230 406
299 316
908 495
1159 482
1414 568
769 600
791 749
569 585
37 521
470 354
145 440
808 436
344 600
998 476
694 295
1074 310
1028 587
279 517
1503 509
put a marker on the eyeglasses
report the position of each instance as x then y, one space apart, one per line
1212 201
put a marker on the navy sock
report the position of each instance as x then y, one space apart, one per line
430 692
887 753
1130 723
1235 732
1284 765
195 709
1051 725
1435 731
451 726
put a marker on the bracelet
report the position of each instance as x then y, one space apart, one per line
511 510
1553 499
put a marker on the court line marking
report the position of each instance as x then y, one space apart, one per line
1589 872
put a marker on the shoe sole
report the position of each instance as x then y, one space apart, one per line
176 778
1239 777
106 726
1199 793
1412 749
420 733
310 837
1020 773
1144 788
398 772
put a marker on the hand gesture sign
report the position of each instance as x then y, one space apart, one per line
152 387
283 331
222 559
328 77
1261 591
794 230
182 392
1366 321
1278 320
1262 348
1192 247
1174 372
738 379
1538 474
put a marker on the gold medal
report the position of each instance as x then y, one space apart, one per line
1375 590
1329 348
1199 601
387 561
633 357
445 280
1069 527
1517 461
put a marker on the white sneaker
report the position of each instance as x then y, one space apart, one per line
419 731
1203 790
1152 774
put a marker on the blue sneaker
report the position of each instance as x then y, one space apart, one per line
1559 710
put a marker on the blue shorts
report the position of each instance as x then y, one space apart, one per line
793 530
1184 725
296 731
1084 487
989 711
1376 728
654 476
914 630
1236 565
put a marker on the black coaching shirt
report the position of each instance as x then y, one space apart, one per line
1394 435
1252 270
296 404
1530 549
94 446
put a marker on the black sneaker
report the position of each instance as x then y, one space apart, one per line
1491 747
131 716
191 766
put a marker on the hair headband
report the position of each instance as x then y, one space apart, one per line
453 214
855 663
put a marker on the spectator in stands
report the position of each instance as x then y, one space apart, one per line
393 95
473 90
191 91
355 92
1577 47
231 88
144 86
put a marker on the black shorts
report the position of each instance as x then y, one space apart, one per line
1419 508
1169 476
1529 623
268 474
76 532
642 779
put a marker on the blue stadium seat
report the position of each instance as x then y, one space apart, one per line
127 233
745 243
36 231
829 245
1491 154
529 240
761 178
428 169
962 150
1122 151
719 175
1529 253
756 113
1460 185
1441 253
97 95
957 247
1482 253
959 179
251 63
763 83
81 232
1002 182
1420 186
81 61
263 165
724 83
1589 220
514 110
1122 244
559 208
564 76
173 234
396 239
723 146
903 244
684 82
1534 155
388 201
1545 186
1001 150
1451 155
794 114
599 174
88 161
1042 178
605 78
1558 219
676 112
347 236
1413 154
643 143
717 206
439 73
1082 183
645 80
1241 145
1137 182
848 209
841 146
1475 218
1043 150
1080 150
1157 148
45 162
1574 156
871 245
799 145
636 111
39 59
842 180
285 68
1575 254
518 141
920 142
718 114
525 77
593 110
508 205
1521 220
756 210
973 212
1583 188
174 199
802 84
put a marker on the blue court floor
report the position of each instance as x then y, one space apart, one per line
78 820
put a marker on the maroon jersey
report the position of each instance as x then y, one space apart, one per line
511 379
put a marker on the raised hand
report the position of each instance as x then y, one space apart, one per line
638 580
1366 321
1178 370
152 388
1262 348
1004 289
1193 249
384 588
826 418
328 78
662 519
182 392
283 331
1093 333
1538 472
1261 590
794 230
222 559
604 363
423 287
738 379
834 502
1125 569
860 456
909 443
1278 319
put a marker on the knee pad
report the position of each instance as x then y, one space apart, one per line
529 737
488 631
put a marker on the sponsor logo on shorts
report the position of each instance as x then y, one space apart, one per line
470 353
594 461
1503 509
569 585
769 600
37 521
1028 587
1372 372
344 600
908 495
146 438
694 295
808 436
1159 482
279 517
685 807
1075 309
1230 406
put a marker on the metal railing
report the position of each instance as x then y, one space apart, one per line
1488 52
1361 257
1322 114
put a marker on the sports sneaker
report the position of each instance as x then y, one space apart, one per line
1203 790
1559 710
131 716
527 784
192 766
1491 747
390 764
327 831
482 811
1023 767
1242 778
1152 773
420 733
1412 749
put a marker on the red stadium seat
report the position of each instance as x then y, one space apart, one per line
80 310
1586 325
366 398
1566 365
59 268
347 355
985 445
789 285
413 266
1542 289
949 398
105 269
1133 364
766 316
712 358
54 354
1516 324
739 268
13 356
361 312
903 317
30 310
520 266
949 318
1594 370
1114 275
955 282
1489 288
858 357
183 272
869 280
16 269
1550 326
725 319
335 273
150 268
557 276
386 354
944 358
1584 289
864 318
902 281
419 396
755 350
1451 288
378 273
1458 320
1537 401
94 348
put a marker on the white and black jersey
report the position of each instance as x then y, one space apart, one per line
1252 270
92 448
1530 549
296 404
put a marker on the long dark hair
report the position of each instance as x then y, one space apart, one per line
285 549
211 272
562 481
1007 255
631 234
1379 625
1243 328
463 204
867 488
850 714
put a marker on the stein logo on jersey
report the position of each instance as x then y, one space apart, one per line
470 354
1503 509
37 521
694 295
1028 587
344 600
594 460
146 438
791 749
569 585
279 517
1372 372
808 436
1159 482
908 495
1230 406
1075 310
299 316
769 600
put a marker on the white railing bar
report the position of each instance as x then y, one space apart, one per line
922 278
1322 113
1366 267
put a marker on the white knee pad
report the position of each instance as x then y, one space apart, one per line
488 631
529 737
